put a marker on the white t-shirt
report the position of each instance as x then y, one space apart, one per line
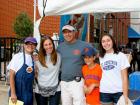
111 65
48 77
18 60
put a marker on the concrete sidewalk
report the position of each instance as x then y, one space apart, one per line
3 93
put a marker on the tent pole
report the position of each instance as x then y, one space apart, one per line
34 15
88 29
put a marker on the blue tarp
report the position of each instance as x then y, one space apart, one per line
134 81
132 33
134 86
137 102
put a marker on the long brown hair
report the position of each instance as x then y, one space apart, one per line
102 50
42 52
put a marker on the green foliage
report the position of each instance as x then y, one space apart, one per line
23 26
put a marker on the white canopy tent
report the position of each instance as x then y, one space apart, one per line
63 7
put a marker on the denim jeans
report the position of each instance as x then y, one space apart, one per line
52 100
107 98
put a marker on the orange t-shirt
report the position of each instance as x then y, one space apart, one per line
92 76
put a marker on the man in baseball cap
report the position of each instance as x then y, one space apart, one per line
72 62
69 33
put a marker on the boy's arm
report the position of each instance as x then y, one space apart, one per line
91 87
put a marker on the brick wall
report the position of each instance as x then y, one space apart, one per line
50 25
119 22
9 9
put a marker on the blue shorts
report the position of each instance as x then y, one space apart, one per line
107 98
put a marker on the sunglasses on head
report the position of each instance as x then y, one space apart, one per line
30 43
45 37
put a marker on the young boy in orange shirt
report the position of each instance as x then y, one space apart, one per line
92 74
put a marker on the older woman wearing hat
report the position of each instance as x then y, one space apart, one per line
22 73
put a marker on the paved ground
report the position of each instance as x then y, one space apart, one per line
3 93
3 98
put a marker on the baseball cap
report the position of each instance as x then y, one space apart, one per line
89 51
30 39
68 27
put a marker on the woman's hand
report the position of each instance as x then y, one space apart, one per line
126 100
35 57
13 98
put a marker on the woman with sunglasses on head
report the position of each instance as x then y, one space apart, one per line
114 64
48 64
22 73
